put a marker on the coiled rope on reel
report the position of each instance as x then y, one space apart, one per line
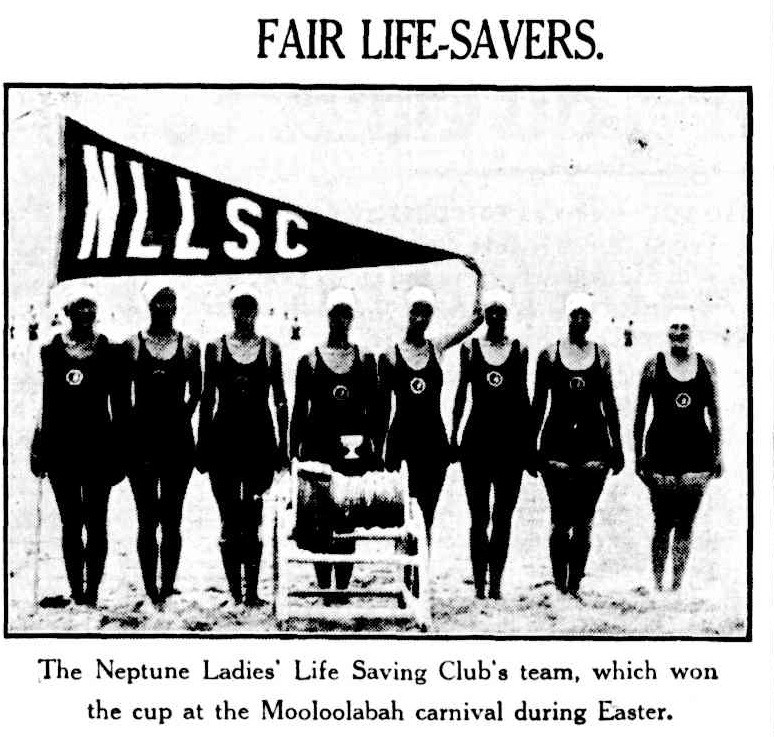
328 503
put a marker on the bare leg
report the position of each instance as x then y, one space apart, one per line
662 502
557 488
96 497
588 488
67 492
324 573
252 504
145 489
343 574
477 485
425 482
226 491
658 553
507 484
690 494
172 488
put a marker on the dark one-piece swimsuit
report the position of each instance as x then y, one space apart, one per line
678 440
244 444
575 431
163 437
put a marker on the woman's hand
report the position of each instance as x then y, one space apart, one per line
641 470
471 263
618 462
201 458
283 459
391 462
37 463
532 462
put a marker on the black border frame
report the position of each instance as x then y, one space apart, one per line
393 636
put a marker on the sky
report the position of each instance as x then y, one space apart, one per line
637 197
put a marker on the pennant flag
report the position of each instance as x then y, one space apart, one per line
128 214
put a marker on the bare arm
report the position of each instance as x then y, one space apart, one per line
610 408
300 412
526 409
475 319
644 394
460 398
714 417
42 373
539 403
374 404
277 383
209 395
120 389
37 449
193 368
523 391
385 373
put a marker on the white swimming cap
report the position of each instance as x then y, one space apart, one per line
152 287
242 289
420 294
579 300
66 293
340 296
496 295
681 317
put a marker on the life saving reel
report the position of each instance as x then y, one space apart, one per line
313 510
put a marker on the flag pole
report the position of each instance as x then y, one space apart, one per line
61 202
38 536
60 210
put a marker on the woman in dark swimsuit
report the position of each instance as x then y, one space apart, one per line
496 442
580 441
237 441
77 443
411 373
682 449
165 378
336 396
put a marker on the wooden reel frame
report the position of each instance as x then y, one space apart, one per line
291 600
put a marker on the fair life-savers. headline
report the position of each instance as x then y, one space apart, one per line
390 39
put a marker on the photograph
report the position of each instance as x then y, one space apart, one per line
338 361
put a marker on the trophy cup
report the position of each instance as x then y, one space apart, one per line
351 442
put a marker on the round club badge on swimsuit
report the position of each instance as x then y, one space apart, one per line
494 379
417 385
74 377
577 383
683 400
340 392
